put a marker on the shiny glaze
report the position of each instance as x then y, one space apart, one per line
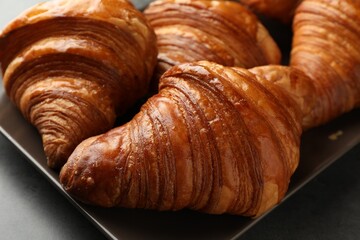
295 83
224 32
72 66
326 48
213 139
282 10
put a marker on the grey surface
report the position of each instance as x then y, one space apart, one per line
31 208
327 208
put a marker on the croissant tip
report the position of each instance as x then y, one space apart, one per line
57 154
83 175
65 178
72 184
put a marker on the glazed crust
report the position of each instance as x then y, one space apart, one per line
282 10
214 139
326 48
72 66
295 83
223 32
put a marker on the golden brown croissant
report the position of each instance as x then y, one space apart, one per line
214 139
282 10
296 84
326 47
72 66
220 31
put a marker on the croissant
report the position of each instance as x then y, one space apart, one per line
326 47
214 139
220 31
296 84
72 66
282 10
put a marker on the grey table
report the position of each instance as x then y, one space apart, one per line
31 208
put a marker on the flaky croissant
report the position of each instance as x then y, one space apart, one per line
296 84
282 10
214 139
72 66
326 47
220 31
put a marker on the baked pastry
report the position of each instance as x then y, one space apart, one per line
214 139
223 32
296 84
326 47
282 10
72 66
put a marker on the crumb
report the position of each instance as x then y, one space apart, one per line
336 135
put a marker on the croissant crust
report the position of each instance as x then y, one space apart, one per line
239 147
325 47
224 32
282 10
72 66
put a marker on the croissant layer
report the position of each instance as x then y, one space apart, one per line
213 139
282 10
72 66
325 47
296 84
224 32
